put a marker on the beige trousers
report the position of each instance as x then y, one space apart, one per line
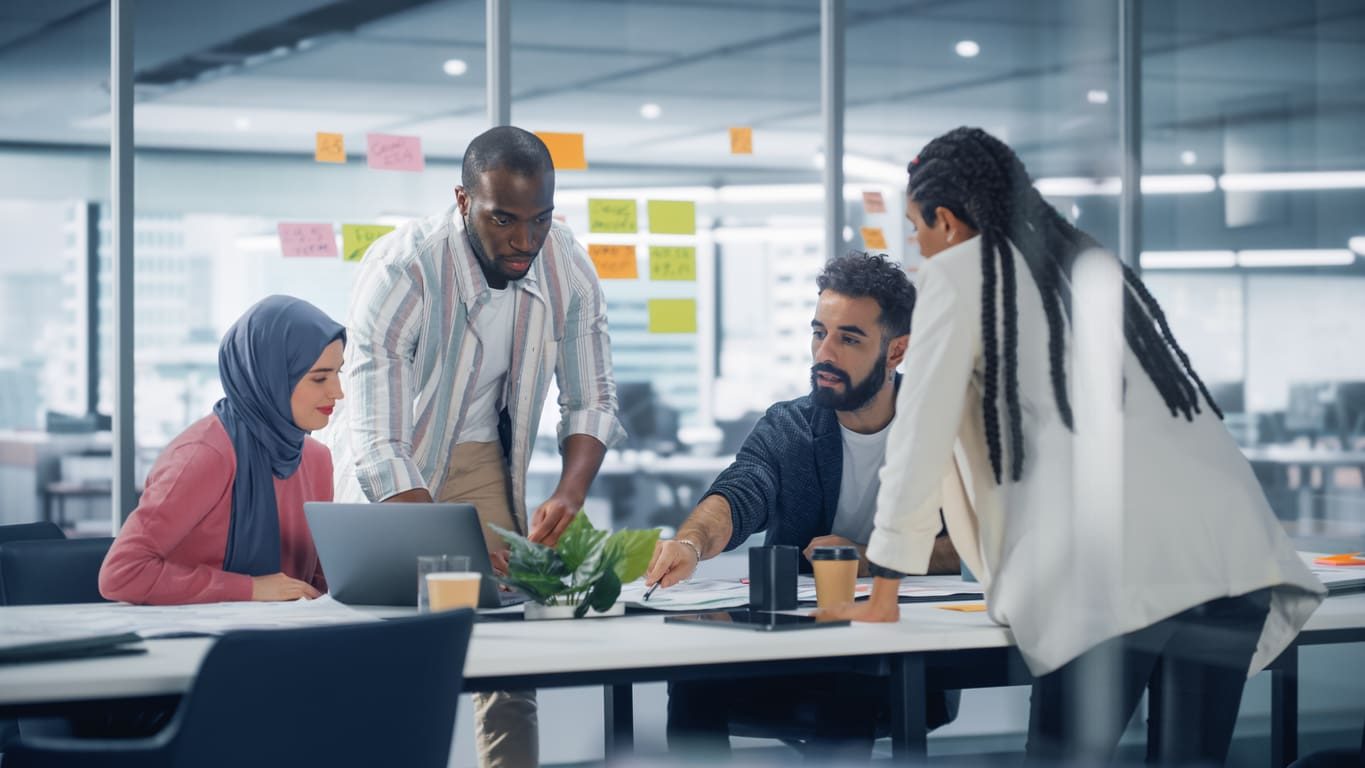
506 730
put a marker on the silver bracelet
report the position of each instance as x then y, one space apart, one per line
694 547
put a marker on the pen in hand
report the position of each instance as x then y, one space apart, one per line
650 591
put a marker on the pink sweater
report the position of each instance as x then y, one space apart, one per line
170 550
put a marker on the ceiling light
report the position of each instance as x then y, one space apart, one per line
651 111
848 234
1264 182
455 67
1300 257
1188 259
1188 157
1358 244
1159 184
242 123
967 49
1097 96
1154 184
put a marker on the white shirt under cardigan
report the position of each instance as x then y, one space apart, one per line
1196 524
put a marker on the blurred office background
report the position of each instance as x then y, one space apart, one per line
1252 224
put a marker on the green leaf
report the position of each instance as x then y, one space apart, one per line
532 568
579 542
629 553
603 595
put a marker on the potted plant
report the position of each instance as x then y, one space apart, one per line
582 573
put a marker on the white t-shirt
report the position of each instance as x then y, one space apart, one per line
863 458
493 325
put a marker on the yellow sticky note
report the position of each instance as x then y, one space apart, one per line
672 262
566 150
965 607
356 239
617 216
672 315
672 217
873 238
331 148
614 262
741 140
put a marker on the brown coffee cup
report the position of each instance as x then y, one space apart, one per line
836 575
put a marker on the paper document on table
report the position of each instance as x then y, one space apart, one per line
150 621
1337 578
695 595
911 586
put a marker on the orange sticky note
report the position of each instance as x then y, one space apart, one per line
965 607
566 150
873 202
873 238
614 262
331 148
741 140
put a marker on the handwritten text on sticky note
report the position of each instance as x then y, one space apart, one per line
741 140
566 150
672 262
307 239
873 238
331 148
614 262
672 315
387 152
873 202
617 216
672 217
356 239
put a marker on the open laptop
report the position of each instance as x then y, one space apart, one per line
369 551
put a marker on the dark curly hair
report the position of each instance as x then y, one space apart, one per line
981 180
858 274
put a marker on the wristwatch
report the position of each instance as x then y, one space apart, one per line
882 573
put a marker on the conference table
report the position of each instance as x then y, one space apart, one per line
931 643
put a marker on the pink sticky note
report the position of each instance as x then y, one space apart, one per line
307 239
387 152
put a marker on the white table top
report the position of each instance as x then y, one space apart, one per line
509 648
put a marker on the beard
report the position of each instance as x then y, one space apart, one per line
854 396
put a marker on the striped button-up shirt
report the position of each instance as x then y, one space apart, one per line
413 356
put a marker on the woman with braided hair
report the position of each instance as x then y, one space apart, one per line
1208 587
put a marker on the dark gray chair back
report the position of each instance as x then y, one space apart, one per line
52 571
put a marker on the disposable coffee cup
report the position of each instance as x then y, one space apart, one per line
451 590
836 574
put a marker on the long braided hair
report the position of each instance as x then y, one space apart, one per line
981 180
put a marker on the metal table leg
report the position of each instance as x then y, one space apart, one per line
618 709
1284 708
909 709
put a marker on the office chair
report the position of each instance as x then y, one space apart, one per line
381 693
30 532
52 571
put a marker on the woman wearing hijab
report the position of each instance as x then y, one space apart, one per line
221 517
1205 587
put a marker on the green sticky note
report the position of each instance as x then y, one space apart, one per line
672 217
356 239
616 216
672 262
672 315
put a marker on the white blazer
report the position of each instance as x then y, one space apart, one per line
1196 525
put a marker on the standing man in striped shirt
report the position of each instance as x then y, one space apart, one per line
457 324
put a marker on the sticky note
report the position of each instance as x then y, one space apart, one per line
356 239
965 607
331 148
612 216
307 239
873 238
672 262
672 315
387 152
741 140
614 262
873 202
672 217
566 150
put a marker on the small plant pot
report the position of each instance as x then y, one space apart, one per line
537 612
